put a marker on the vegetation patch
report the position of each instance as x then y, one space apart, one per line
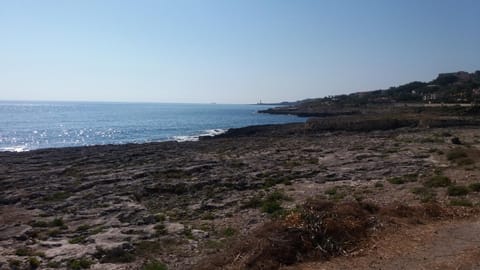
78 264
33 262
229 232
438 181
425 194
78 240
114 255
403 179
58 196
457 190
474 187
154 265
461 202
460 157
335 193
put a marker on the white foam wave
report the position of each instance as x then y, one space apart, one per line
17 149
194 138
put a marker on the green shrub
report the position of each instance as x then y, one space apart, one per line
33 262
160 229
229 232
154 265
83 228
271 207
425 194
254 202
474 187
77 240
456 153
457 190
57 196
57 222
331 191
78 264
461 202
438 181
396 180
23 252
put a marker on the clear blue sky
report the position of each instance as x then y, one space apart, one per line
228 51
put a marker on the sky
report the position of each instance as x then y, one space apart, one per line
226 51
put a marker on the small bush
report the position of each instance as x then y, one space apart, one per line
33 262
39 223
57 222
229 232
457 190
465 161
438 181
378 185
154 265
83 228
57 196
23 252
160 217
331 191
456 153
77 240
474 187
78 264
396 181
461 202
160 229
403 179
254 202
114 255
425 194
271 207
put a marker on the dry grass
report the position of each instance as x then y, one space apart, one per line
319 229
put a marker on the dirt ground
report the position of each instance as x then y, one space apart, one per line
442 245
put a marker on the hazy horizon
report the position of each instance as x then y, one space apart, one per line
228 52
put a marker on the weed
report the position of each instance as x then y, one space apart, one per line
53 264
456 153
398 180
331 191
160 229
438 181
23 252
114 255
58 196
160 217
57 222
229 232
253 202
77 264
457 190
154 265
474 187
378 185
77 240
33 262
425 194
461 202
83 228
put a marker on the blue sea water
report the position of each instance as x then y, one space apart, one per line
33 125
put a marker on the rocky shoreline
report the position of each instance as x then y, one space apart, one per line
174 204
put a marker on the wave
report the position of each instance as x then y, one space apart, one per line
206 133
20 148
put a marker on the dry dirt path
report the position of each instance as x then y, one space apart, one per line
441 245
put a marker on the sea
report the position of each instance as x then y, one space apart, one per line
27 126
